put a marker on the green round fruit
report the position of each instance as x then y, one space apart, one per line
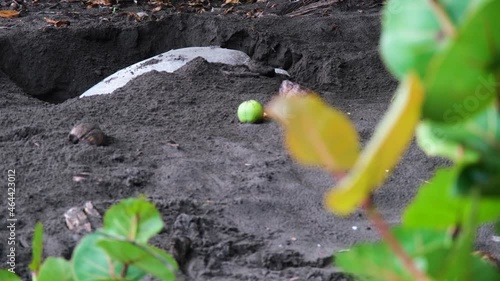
250 111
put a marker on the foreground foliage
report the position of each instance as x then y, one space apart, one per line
447 55
118 251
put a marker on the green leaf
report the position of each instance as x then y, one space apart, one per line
412 34
478 135
478 177
461 264
462 80
497 227
482 270
6 275
383 151
55 269
434 145
476 268
378 262
430 250
148 258
133 219
37 248
315 133
441 209
91 263
457 265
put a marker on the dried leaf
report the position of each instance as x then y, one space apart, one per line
8 14
102 2
195 4
227 2
137 16
255 13
392 136
157 9
227 11
81 177
315 133
161 3
141 16
172 143
57 23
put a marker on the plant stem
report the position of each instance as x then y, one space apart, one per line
443 18
123 274
338 175
391 241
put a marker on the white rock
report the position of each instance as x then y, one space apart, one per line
170 62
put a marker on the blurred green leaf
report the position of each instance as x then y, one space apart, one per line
457 265
37 250
434 145
133 219
463 80
442 209
476 268
461 263
148 258
376 261
91 263
478 177
55 269
412 34
478 135
392 135
482 270
6 275
315 133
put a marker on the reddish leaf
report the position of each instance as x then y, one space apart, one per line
57 23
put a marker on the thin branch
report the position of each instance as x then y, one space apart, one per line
393 243
124 270
338 175
443 18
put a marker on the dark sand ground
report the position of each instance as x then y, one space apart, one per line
249 210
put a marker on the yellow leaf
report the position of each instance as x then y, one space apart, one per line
8 14
391 138
316 134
